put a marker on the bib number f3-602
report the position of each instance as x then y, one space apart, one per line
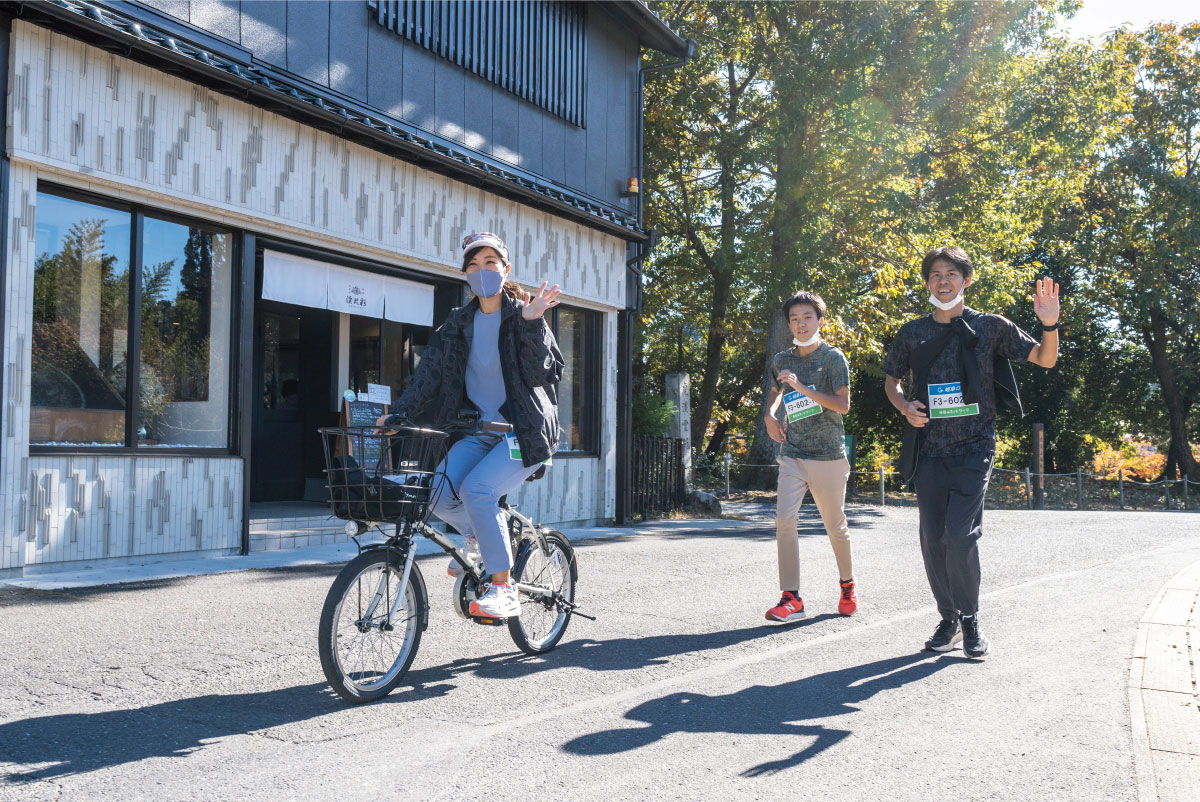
946 401
800 406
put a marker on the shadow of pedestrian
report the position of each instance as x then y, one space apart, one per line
786 710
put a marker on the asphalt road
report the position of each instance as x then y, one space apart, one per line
210 688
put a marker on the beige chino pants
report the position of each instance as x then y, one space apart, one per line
826 479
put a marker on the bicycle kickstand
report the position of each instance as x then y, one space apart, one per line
573 609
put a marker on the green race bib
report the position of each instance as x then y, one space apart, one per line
800 406
946 401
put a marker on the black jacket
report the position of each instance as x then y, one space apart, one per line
529 361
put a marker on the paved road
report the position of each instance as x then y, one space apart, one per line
209 688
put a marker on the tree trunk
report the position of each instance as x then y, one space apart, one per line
722 270
1179 453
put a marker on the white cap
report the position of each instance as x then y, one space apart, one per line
484 239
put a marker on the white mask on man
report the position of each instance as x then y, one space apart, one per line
807 342
945 307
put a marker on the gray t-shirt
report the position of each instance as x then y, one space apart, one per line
817 436
485 382
948 437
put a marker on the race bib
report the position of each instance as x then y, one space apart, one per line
514 449
800 406
946 401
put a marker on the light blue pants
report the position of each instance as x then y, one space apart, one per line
480 471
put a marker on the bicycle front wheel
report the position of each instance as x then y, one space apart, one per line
365 649
543 619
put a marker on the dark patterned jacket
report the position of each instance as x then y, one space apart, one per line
529 360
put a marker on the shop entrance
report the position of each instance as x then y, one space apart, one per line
294 368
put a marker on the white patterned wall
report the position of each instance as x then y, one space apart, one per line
91 507
94 113
87 118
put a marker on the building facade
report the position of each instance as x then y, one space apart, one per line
221 216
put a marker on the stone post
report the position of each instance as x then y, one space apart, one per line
679 393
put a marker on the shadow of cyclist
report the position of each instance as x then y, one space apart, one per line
614 654
778 710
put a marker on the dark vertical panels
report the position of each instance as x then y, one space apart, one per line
505 144
222 17
418 79
477 112
449 89
529 131
385 68
348 47
522 45
554 149
308 40
264 30
618 164
599 67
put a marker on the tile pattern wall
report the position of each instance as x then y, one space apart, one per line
83 109
90 508
124 129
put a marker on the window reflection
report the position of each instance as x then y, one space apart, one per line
186 286
80 323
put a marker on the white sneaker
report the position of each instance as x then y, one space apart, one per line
498 601
471 550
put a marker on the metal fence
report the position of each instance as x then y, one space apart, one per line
657 476
1025 489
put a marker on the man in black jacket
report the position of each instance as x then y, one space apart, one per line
951 355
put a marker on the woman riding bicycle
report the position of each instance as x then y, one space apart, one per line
498 354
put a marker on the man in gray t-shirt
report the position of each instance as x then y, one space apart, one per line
810 393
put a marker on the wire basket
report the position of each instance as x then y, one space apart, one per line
378 475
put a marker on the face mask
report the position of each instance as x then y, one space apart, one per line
945 307
807 342
485 283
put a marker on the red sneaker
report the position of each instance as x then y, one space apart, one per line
790 608
849 602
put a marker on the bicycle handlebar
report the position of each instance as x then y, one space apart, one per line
468 422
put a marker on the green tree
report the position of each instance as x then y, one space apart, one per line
1142 226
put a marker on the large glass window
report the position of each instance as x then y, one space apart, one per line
579 392
80 323
184 398
85 358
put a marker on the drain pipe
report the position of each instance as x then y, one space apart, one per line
633 303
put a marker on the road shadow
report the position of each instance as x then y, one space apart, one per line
615 654
74 743
787 711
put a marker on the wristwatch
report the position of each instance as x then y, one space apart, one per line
1051 328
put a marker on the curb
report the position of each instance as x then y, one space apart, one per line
1164 694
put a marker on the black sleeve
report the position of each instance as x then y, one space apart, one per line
425 382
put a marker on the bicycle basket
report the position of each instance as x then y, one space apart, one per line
376 476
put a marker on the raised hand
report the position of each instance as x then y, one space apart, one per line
1045 301
537 305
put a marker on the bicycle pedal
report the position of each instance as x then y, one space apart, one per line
488 622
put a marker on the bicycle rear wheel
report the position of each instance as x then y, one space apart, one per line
364 654
543 620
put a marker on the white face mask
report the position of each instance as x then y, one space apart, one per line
816 337
945 307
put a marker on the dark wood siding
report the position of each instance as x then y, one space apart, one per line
338 44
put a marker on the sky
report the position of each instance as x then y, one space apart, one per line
1100 16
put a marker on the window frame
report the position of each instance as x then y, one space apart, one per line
593 341
138 213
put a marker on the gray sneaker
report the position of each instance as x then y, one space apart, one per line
945 637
